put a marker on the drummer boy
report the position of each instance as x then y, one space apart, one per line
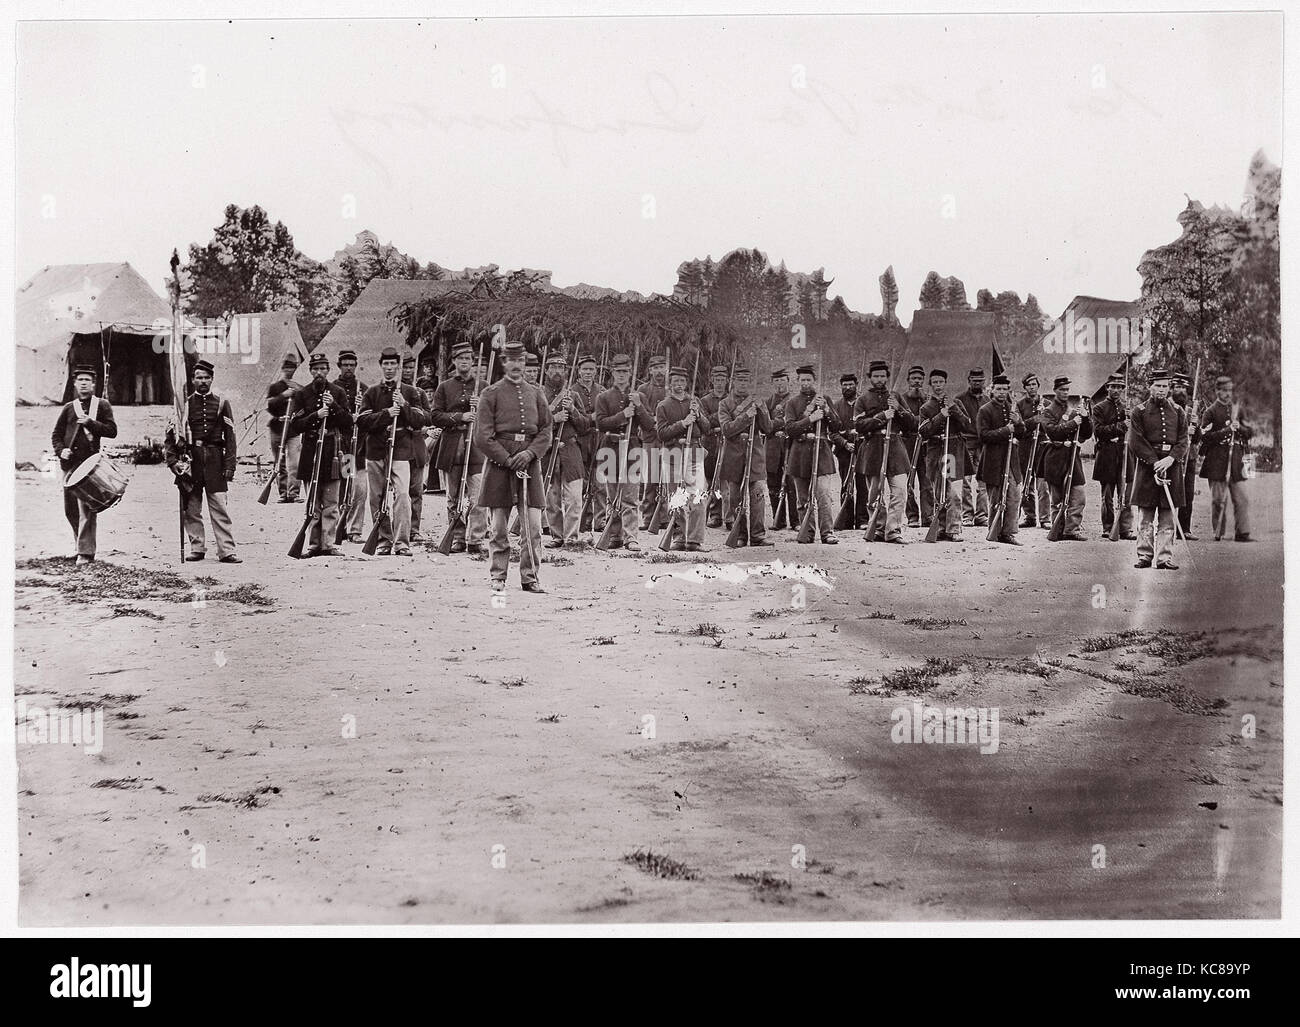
81 424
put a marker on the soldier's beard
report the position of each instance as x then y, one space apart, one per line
202 387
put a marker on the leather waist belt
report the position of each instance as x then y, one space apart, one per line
515 438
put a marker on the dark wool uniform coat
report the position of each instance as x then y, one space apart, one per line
1030 408
212 436
278 395
374 420
512 416
303 421
994 426
450 400
971 404
1214 443
802 432
869 416
652 395
590 440
847 437
353 389
776 443
712 440
571 464
1062 453
736 430
83 443
610 418
1110 429
669 416
932 427
1157 429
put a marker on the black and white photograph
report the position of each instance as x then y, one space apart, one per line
612 470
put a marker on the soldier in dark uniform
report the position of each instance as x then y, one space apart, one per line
652 394
1064 428
974 493
453 411
513 429
1110 428
419 449
354 453
779 486
278 396
80 426
570 422
745 423
676 416
845 443
804 412
318 404
943 426
427 382
1000 425
878 413
212 466
1178 392
1222 429
615 407
1157 437
1036 501
383 404
920 500
712 439
593 504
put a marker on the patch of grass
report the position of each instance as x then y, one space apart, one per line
249 800
767 886
603 640
136 611
558 561
928 623
554 718
125 783
909 680
660 866
704 630
883 615
775 637
767 614
100 580
1100 643
516 682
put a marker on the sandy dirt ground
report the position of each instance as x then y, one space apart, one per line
502 769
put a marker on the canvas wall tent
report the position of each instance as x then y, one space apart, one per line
367 328
247 361
1113 325
94 314
956 341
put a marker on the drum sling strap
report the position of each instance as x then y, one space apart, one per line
70 432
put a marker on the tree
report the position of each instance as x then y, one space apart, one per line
888 296
776 296
819 288
738 288
838 311
931 297
1214 294
249 266
954 293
